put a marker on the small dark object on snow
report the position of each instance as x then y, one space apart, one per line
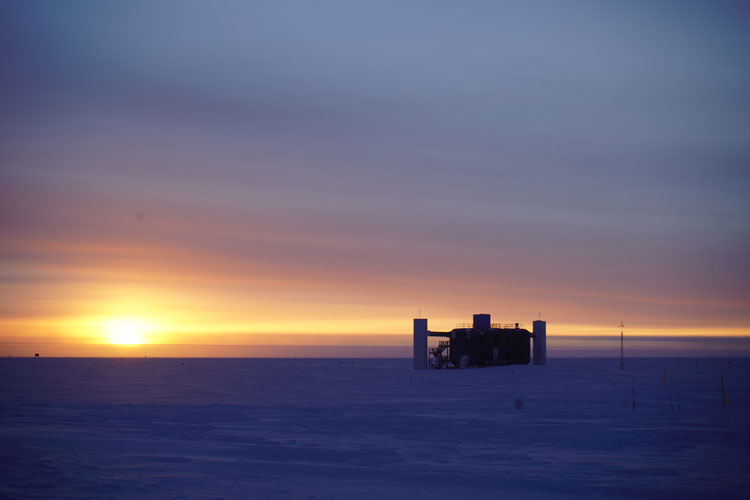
518 404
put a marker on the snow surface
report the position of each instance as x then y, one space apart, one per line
372 429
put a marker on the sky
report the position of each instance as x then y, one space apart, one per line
231 173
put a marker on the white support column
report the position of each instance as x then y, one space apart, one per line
420 343
540 342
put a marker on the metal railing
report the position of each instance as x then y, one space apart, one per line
501 326
507 326
442 345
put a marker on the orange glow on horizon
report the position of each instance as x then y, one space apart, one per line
195 328
189 301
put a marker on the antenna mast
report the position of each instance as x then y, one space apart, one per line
622 356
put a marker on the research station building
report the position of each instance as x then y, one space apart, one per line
481 343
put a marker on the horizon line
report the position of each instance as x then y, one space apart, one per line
108 344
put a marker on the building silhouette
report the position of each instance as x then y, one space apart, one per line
481 343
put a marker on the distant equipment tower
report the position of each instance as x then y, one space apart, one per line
622 349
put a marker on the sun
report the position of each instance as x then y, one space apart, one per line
126 331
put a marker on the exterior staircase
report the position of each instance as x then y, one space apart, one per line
440 355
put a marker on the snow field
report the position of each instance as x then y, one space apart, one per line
374 428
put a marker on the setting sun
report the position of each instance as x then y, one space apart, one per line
127 331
